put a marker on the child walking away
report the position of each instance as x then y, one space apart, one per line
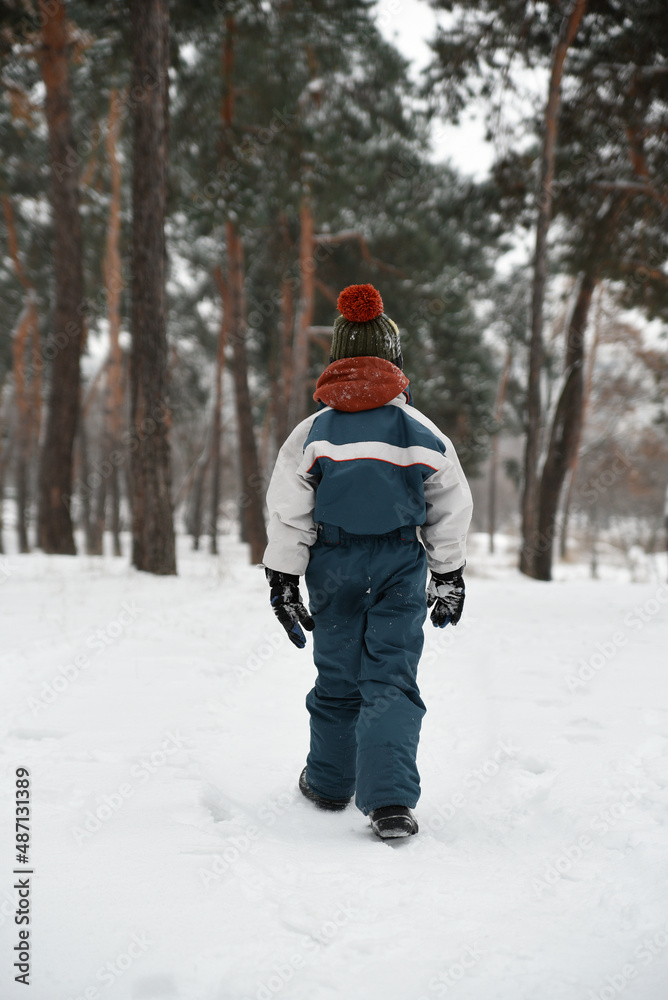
366 494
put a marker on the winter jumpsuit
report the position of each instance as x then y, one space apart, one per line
366 494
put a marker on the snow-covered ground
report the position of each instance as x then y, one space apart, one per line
163 724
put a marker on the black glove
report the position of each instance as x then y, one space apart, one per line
446 593
287 604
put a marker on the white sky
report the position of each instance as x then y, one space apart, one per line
409 24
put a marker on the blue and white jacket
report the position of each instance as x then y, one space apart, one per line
368 462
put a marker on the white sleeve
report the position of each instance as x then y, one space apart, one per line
449 507
291 499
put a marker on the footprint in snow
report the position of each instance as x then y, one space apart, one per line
216 803
533 764
37 734
159 987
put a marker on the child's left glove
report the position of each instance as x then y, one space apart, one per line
446 593
288 607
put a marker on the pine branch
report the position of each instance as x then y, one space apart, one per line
351 235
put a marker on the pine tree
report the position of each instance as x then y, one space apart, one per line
67 333
153 547
610 123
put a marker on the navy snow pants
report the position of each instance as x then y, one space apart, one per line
367 598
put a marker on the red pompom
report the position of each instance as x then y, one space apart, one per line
360 303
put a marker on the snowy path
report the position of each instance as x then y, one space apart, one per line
174 859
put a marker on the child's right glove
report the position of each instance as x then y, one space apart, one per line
446 593
288 607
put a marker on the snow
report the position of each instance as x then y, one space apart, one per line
173 708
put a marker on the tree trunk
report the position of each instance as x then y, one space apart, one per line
300 354
665 519
22 434
494 457
593 542
27 398
96 520
92 492
283 384
6 455
84 479
265 435
252 495
153 544
565 433
569 28
67 334
3 461
563 534
113 279
195 498
115 511
217 405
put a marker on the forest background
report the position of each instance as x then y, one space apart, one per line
187 186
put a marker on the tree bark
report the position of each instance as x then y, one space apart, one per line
96 515
195 497
27 320
494 457
84 479
3 464
283 384
153 545
252 494
113 279
665 519
573 471
94 493
27 391
6 458
565 433
67 334
569 28
300 353
217 406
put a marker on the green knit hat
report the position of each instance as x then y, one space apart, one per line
363 329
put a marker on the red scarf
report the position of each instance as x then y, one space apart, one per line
354 384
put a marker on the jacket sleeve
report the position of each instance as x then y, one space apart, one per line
290 499
449 507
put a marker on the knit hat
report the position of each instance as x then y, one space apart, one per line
363 329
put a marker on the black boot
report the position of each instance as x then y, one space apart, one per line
334 805
393 821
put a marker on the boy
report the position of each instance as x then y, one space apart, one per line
366 493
